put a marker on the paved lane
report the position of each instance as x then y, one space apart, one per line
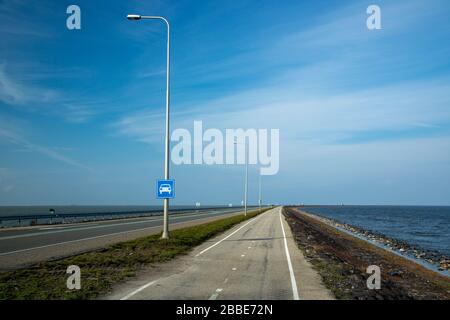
20 247
256 260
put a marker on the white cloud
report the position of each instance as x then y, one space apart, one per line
15 93
327 93
13 137
323 118
21 92
16 20
7 188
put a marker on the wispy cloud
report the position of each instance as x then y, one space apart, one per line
326 118
25 94
15 138
16 20
151 73
15 93
342 81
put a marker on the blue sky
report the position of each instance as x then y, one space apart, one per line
364 116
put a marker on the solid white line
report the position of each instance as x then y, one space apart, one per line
291 271
60 227
128 296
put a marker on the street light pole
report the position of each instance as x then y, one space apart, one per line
246 177
259 198
165 234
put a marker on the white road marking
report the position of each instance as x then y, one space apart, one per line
249 247
220 241
128 296
242 255
216 294
60 227
213 296
291 271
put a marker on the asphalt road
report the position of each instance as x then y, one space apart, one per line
23 246
257 260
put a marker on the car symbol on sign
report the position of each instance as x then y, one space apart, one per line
165 188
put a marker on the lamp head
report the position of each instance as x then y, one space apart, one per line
133 17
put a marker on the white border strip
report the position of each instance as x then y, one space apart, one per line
291 270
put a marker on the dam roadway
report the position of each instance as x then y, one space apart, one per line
24 246
255 260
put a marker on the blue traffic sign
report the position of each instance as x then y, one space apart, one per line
165 189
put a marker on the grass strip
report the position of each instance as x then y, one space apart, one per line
101 269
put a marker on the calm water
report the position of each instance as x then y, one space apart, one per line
427 227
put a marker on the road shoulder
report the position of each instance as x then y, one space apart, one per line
309 282
342 261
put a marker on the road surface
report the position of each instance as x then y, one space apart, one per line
23 246
256 260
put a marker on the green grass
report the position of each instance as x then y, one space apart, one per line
101 269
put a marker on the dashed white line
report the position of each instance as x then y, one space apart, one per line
216 294
291 271
220 241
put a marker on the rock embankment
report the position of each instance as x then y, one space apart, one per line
435 258
342 260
